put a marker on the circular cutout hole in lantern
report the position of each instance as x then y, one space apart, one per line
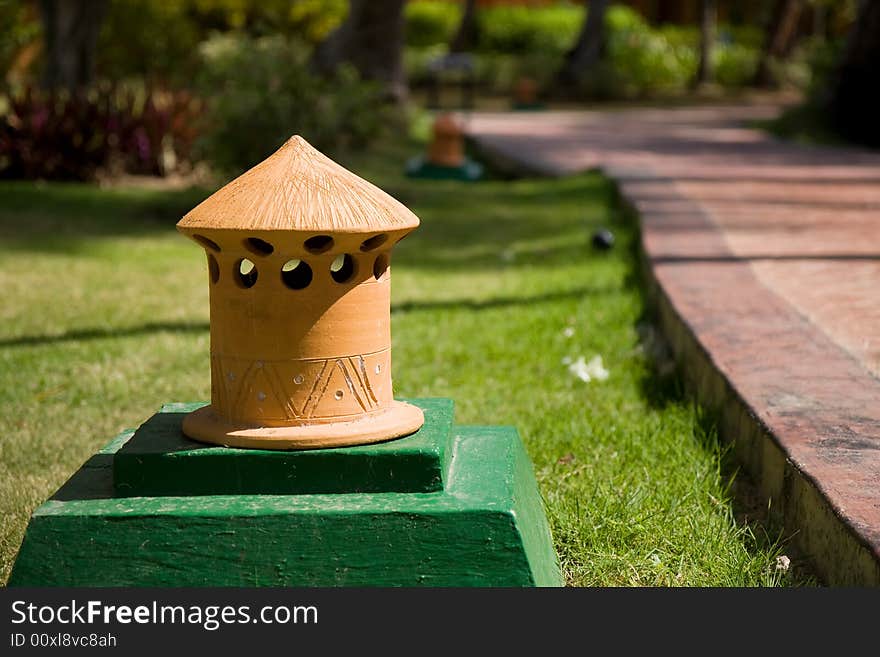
258 247
318 244
246 273
343 268
374 242
296 274
380 266
213 268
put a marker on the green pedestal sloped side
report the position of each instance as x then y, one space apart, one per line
485 526
419 167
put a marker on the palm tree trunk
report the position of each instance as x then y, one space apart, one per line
468 32
589 47
370 39
708 21
70 29
779 39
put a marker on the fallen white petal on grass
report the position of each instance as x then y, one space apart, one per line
586 372
568 331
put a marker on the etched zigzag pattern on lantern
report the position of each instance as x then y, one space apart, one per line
299 389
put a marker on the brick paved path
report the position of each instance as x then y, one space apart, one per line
765 260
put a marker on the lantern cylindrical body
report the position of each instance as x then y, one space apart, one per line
287 357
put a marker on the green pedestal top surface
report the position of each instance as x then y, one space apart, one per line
484 525
160 460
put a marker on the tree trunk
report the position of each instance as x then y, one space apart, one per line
589 48
708 21
820 21
468 33
71 29
371 39
854 104
779 39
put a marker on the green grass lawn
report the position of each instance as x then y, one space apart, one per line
105 317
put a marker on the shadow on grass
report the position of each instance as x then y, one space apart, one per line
502 302
80 335
87 334
664 384
61 217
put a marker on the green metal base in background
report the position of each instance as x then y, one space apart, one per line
419 167
527 107
448 506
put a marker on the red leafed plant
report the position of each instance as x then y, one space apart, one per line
74 136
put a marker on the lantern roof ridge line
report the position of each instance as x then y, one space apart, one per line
298 188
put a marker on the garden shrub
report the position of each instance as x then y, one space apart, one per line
160 38
145 37
736 53
680 36
735 64
260 92
431 22
19 31
520 30
417 61
619 18
642 60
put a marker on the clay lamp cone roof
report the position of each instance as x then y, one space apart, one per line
298 188
299 252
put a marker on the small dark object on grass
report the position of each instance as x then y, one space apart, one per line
603 239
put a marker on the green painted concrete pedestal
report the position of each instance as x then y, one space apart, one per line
419 167
448 506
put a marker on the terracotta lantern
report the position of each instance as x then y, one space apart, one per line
525 91
299 252
447 144
445 157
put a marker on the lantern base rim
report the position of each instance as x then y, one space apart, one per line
399 420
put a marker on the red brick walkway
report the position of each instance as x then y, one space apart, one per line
765 260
